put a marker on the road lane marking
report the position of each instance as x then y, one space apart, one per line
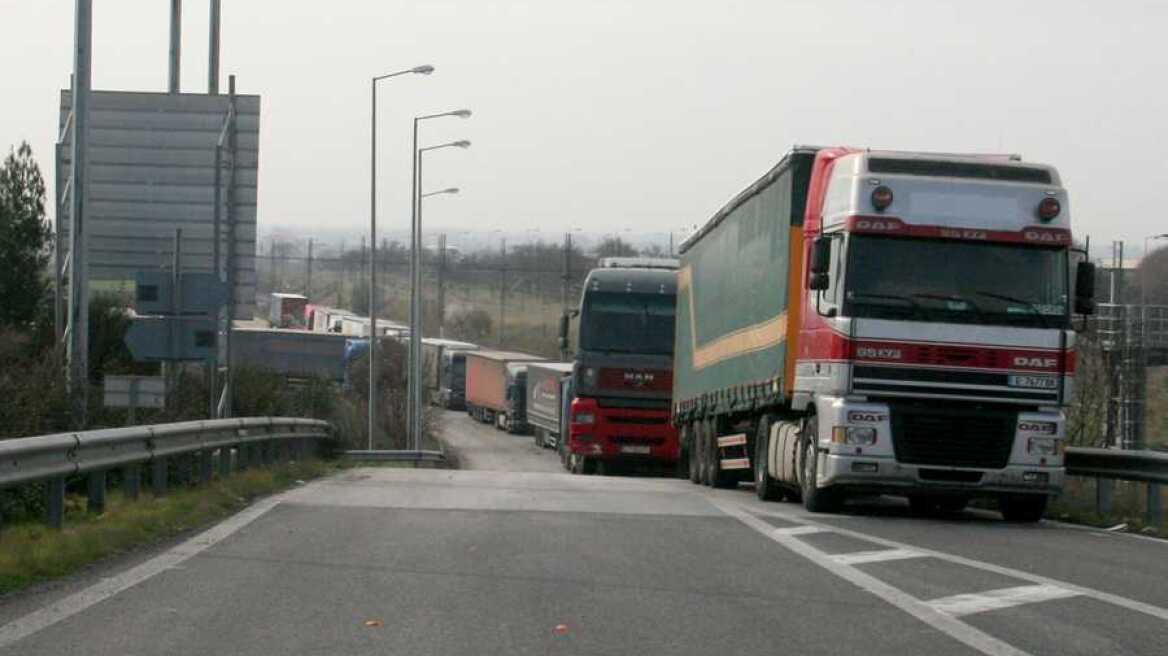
799 530
947 624
43 618
876 556
1099 595
981 602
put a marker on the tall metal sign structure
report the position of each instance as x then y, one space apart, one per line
140 165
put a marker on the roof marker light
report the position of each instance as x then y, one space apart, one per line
1049 208
881 198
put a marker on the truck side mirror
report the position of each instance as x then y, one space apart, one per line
821 255
1085 288
820 277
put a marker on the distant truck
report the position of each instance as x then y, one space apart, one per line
545 400
287 310
488 383
623 366
292 353
432 352
452 380
861 322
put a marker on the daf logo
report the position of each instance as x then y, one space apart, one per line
867 417
874 353
870 224
638 378
1035 363
1044 427
1046 237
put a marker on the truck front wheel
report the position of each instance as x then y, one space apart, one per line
815 499
1028 508
766 487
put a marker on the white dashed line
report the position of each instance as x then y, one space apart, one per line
877 556
947 624
968 604
798 530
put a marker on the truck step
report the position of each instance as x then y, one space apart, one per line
738 439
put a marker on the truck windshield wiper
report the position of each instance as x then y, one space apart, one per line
954 298
1013 299
916 307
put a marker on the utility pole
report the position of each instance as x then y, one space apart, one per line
442 285
77 349
213 50
502 290
308 273
175 44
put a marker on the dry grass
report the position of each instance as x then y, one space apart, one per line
31 552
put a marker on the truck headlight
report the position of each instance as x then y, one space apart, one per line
1044 446
855 435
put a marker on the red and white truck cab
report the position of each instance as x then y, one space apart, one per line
935 349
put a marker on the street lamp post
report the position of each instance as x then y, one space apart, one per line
421 70
414 381
416 258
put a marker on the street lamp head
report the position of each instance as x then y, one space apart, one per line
425 69
463 143
450 190
461 113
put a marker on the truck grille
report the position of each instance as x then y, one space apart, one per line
954 436
644 421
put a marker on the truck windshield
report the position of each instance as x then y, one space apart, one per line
627 323
956 282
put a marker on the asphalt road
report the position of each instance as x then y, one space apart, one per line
403 561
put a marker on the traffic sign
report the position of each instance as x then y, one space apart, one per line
135 392
202 293
171 338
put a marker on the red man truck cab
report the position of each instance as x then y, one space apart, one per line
623 368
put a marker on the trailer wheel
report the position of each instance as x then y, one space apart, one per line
815 499
765 487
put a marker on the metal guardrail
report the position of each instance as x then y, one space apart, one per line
1108 465
231 444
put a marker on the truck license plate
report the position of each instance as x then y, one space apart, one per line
636 448
1033 382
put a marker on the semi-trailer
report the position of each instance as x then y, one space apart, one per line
861 321
545 400
487 383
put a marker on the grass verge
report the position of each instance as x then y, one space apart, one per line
31 553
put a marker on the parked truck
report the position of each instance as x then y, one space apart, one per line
489 383
545 400
452 380
623 366
882 322
432 362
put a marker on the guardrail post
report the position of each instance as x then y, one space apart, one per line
1155 506
206 466
158 476
132 481
1104 494
224 461
267 452
55 502
95 503
283 454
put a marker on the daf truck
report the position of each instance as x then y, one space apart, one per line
870 322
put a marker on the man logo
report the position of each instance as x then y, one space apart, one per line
1035 363
638 378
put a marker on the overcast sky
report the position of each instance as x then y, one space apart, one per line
643 114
